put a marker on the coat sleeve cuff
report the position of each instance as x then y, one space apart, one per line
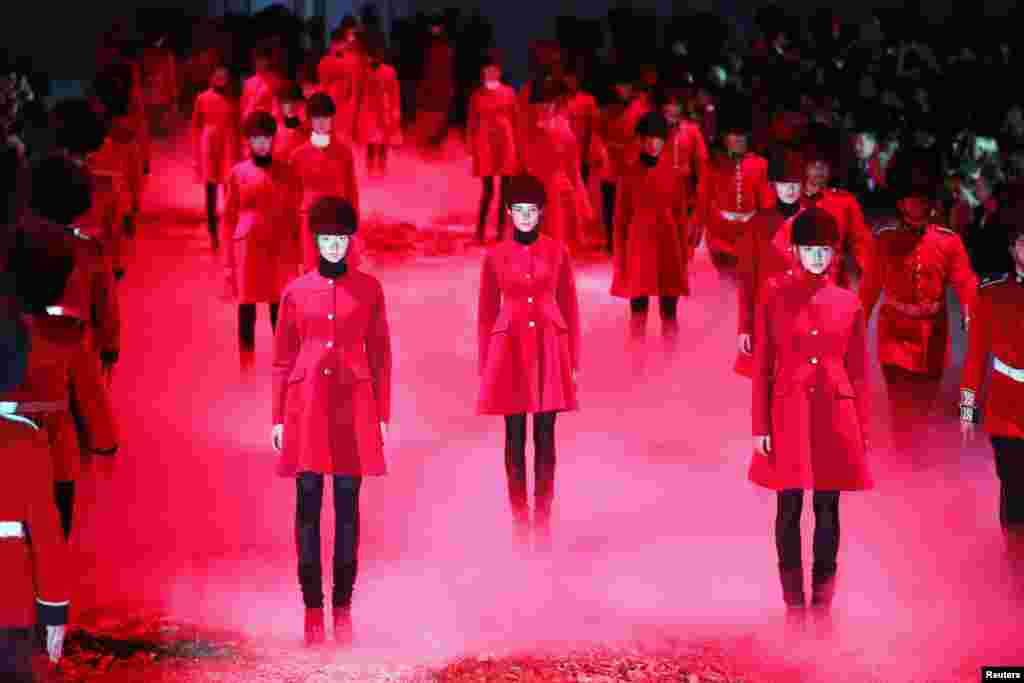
52 613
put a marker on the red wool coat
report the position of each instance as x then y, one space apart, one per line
64 372
617 129
332 375
378 115
341 75
259 234
854 233
914 269
259 93
491 132
585 119
160 69
737 187
34 568
327 171
997 329
810 386
651 232
120 157
216 136
686 150
528 329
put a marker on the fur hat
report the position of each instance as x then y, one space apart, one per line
785 165
652 124
77 126
259 124
41 267
735 115
320 105
60 190
914 172
815 227
332 216
290 92
524 189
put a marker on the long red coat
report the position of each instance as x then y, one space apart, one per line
216 136
103 221
434 92
651 232
854 233
686 150
287 140
341 73
34 573
259 93
528 329
160 69
585 119
378 114
259 235
914 268
810 386
121 158
63 369
617 129
332 375
997 329
327 171
737 186
491 131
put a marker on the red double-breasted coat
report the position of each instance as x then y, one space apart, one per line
913 268
259 235
323 171
378 113
160 69
216 136
259 93
528 329
332 375
651 232
854 233
34 567
810 386
64 373
491 131
998 329
341 73
733 191
617 129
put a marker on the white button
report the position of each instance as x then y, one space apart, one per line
327 371
532 324
330 316
814 361
528 276
814 332
330 344
331 281
529 299
811 390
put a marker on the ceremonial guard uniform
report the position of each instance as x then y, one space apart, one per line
914 263
529 340
810 411
215 139
332 397
491 132
378 117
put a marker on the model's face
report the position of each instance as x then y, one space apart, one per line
524 216
817 176
914 210
219 79
491 74
261 145
815 259
865 146
1017 251
322 125
652 145
736 143
672 112
623 90
333 247
788 192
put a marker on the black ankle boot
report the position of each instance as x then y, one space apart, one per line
823 586
792 581
314 626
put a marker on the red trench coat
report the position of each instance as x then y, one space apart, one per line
528 329
327 171
491 131
259 235
378 114
914 269
854 234
216 136
738 187
997 329
810 386
62 366
259 93
332 375
651 238
37 572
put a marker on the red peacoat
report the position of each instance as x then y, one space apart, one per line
491 131
35 573
810 386
735 189
216 136
259 235
854 233
63 370
997 329
332 375
378 113
914 267
529 329
651 232
327 171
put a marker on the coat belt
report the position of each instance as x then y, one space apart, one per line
915 310
12 530
1016 374
737 217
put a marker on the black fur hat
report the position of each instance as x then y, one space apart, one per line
332 216
525 189
815 227
652 124
259 124
77 126
61 191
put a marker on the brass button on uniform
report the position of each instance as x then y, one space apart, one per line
532 324
330 316
330 344
814 361
327 371
814 333
529 299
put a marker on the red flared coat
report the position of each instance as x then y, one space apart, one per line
528 329
617 129
216 136
378 116
810 386
332 375
259 235
327 171
735 186
491 132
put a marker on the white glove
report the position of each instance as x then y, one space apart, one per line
277 437
55 642
763 445
745 344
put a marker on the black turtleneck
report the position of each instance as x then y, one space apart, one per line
332 270
787 210
525 237
648 160
291 122
262 162
221 91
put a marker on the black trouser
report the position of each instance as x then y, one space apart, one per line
608 189
211 211
309 497
667 305
247 324
16 655
378 153
543 466
1010 469
790 504
64 495
485 204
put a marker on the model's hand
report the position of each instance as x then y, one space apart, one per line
745 344
55 642
277 437
763 445
384 431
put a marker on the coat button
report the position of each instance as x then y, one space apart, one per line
532 324
814 361
330 316
814 333
327 371
529 299
528 276
330 344
331 281
811 390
